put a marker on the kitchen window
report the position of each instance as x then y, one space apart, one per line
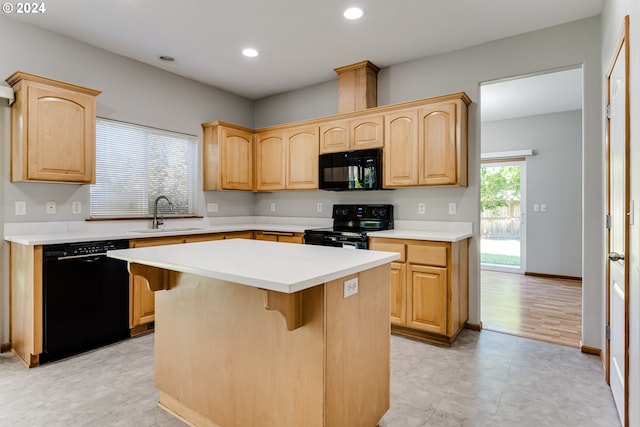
135 164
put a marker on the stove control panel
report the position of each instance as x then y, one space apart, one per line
363 212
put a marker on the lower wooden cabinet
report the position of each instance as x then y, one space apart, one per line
142 305
279 236
429 288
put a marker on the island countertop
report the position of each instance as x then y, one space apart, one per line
282 267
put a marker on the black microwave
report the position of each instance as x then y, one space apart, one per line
351 170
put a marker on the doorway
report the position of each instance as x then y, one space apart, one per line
531 226
502 211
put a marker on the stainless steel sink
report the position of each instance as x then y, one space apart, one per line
167 230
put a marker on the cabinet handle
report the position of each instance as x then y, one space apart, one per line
277 233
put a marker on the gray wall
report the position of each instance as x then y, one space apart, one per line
132 92
573 44
554 178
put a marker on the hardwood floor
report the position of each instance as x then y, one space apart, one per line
532 307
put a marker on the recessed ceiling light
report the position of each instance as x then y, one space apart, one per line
166 58
249 52
353 13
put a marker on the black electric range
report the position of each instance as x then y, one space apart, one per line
350 226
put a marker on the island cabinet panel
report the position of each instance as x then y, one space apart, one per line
429 288
227 157
53 130
222 359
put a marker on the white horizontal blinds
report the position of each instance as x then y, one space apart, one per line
135 164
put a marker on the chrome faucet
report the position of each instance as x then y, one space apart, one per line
158 221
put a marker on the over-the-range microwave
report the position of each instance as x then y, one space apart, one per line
351 170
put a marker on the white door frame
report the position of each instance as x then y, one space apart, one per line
621 51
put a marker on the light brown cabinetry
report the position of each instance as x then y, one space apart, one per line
52 130
279 236
227 157
427 145
141 298
429 288
354 134
287 159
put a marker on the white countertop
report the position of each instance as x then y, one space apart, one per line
282 267
46 233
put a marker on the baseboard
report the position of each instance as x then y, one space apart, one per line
5 347
592 350
473 326
554 276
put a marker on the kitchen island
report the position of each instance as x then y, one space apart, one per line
256 333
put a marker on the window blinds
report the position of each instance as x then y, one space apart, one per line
136 164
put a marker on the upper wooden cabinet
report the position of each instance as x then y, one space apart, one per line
355 134
427 145
227 157
53 134
287 159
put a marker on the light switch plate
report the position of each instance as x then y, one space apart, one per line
273 207
350 287
543 208
319 207
212 207
21 208
51 208
452 209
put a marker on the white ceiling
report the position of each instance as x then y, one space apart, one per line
300 41
532 95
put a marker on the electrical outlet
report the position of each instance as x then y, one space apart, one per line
421 208
51 208
273 207
319 207
21 208
76 208
452 209
212 207
350 287
543 208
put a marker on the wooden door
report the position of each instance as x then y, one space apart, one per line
61 135
334 136
236 159
400 149
438 150
302 158
398 293
618 226
367 132
427 298
270 162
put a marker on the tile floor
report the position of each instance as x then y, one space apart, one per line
485 379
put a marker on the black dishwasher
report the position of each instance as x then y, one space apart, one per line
85 297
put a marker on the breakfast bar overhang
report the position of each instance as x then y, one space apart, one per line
256 333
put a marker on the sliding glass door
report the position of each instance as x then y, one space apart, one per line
502 221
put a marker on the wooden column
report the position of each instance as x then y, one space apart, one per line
357 87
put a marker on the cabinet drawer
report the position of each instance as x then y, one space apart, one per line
389 247
427 254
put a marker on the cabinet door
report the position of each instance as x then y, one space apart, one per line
61 135
302 158
270 162
427 298
398 293
142 303
334 136
401 149
438 144
367 132
236 159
